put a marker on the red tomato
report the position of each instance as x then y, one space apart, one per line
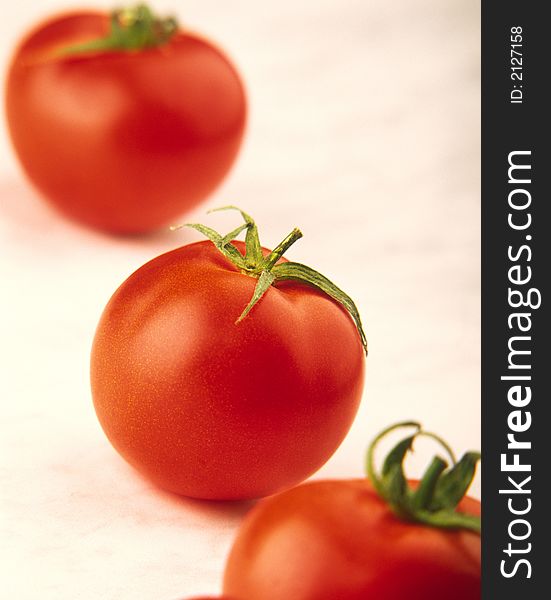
211 408
123 141
337 539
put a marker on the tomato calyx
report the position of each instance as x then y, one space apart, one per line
267 270
135 28
434 501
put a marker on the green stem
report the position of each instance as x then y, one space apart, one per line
281 248
135 28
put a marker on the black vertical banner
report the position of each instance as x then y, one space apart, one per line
516 256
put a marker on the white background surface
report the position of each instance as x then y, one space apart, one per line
364 131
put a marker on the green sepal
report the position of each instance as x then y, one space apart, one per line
299 272
222 243
448 519
455 482
135 28
269 270
394 484
253 247
424 494
395 491
396 457
434 500
264 282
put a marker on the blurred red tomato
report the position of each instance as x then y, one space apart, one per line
123 140
338 539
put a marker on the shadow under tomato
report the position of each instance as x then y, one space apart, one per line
92 486
226 509
25 216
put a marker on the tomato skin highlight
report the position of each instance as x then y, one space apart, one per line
123 141
212 409
337 539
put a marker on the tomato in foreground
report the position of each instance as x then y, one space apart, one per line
221 371
340 539
123 122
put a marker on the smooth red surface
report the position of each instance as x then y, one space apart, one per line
209 408
123 141
336 539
